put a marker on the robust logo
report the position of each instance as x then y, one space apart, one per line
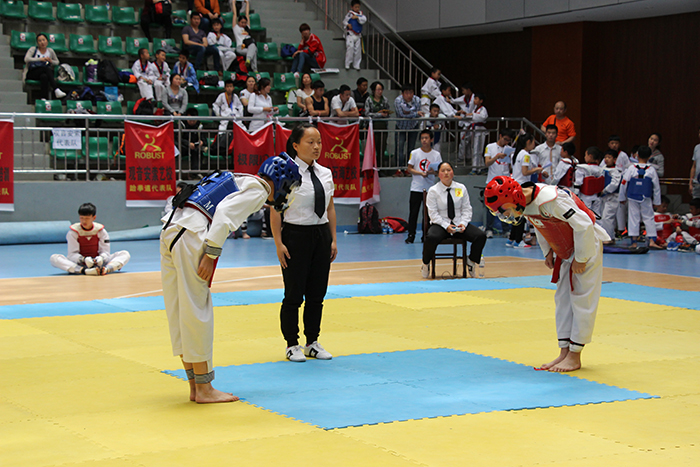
339 151
150 150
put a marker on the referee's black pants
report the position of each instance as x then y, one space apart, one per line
305 279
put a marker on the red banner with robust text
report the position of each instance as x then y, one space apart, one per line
251 150
341 154
7 165
150 164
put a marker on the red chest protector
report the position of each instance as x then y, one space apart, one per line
667 228
557 232
568 179
88 240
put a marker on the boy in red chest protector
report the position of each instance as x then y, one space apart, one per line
572 245
88 247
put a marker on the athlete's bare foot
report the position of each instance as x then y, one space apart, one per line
562 355
206 394
193 390
572 362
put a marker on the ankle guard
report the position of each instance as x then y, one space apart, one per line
190 374
205 378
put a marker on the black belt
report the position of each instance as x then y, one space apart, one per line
177 237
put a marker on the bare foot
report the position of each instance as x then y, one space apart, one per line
206 394
562 355
572 362
193 390
246 236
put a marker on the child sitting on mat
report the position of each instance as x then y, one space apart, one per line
88 247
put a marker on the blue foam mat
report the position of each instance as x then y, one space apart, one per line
373 388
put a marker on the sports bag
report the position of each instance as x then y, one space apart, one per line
369 220
397 224
107 72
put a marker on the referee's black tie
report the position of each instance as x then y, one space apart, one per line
450 206
319 195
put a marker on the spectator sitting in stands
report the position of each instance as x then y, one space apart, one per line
407 106
186 71
227 105
194 41
250 88
343 105
150 15
209 10
159 72
176 98
309 53
141 70
360 94
317 104
40 61
377 108
222 43
260 105
299 96
192 144
567 131
245 44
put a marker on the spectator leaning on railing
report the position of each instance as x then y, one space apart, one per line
407 107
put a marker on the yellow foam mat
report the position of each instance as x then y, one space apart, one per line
88 390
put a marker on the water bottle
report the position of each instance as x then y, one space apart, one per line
391 230
107 5
482 268
385 229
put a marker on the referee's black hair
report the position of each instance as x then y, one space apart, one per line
87 209
295 137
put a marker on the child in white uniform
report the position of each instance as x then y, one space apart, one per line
640 185
572 245
589 180
430 90
610 197
352 23
497 159
479 117
88 247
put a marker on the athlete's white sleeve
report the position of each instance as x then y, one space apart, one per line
235 208
656 199
73 247
616 177
103 249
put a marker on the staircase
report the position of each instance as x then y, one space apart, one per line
12 97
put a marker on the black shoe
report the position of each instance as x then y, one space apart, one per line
410 238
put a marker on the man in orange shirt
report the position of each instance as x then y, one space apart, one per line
567 132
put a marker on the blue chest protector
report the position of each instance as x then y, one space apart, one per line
356 26
640 187
608 181
210 191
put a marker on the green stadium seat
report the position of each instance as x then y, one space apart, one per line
68 154
227 18
111 45
98 148
133 44
69 12
202 111
254 23
181 16
57 42
109 108
201 74
76 82
73 105
282 47
22 40
97 14
283 82
283 110
315 77
90 83
130 107
82 44
268 51
260 75
13 9
115 148
127 85
160 43
41 11
124 15
44 106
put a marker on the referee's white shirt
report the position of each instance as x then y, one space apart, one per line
301 211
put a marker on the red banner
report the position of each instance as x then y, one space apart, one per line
281 137
370 174
150 164
341 154
251 150
7 165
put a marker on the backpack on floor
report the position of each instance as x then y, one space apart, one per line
144 106
369 220
397 224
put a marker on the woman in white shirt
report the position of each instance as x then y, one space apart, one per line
245 44
523 167
250 88
222 43
299 96
306 245
450 214
260 105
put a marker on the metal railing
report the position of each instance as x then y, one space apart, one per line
102 137
383 45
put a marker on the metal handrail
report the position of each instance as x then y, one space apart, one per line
400 66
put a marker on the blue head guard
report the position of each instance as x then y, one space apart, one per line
284 173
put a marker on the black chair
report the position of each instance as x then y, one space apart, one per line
454 254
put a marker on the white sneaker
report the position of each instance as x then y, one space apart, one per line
295 354
296 74
489 234
425 271
316 351
522 244
59 94
471 268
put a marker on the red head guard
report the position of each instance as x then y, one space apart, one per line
504 190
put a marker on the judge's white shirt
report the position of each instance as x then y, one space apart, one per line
436 203
301 211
